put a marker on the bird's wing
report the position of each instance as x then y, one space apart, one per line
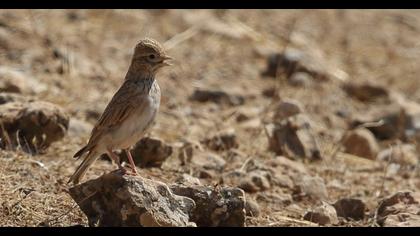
127 100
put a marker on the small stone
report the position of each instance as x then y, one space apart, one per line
278 199
32 125
287 108
188 180
215 206
323 215
399 209
367 92
16 81
225 140
150 152
404 154
293 60
256 181
251 125
392 118
300 79
13 97
314 187
247 113
295 211
209 161
12 81
252 208
282 180
253 181
269 92
361 142
294 138
287 164
350 208
186 152
218 97
206 174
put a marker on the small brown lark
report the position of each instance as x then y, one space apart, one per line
131 111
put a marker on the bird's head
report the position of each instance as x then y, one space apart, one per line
150 56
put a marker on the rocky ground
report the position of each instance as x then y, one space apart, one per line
268 118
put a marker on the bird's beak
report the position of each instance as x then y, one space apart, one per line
165 61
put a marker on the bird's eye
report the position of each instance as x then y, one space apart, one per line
152 56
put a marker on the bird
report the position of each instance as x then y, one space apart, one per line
131 111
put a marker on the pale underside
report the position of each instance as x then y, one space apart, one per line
127 118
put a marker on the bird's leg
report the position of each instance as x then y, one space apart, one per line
116 159
130 159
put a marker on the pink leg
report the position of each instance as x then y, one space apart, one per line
130 159
116 159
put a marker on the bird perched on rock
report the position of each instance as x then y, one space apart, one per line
131 111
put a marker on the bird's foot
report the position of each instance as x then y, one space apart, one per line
128 170
133 172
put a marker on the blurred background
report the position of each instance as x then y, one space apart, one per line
335 93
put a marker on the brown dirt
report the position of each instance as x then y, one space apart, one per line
380 45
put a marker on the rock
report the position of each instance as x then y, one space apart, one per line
252 208
206 174
324 214
15 81
209 161
115 200
255 181
92 114
186 152
32 125
294 210
361 142
350 208
188 180
13 97
401 119
256 176
12 81
300 79
247 113
293 60
217 96
287 108
403 154
79 127
293 138
312 187
251 125
400 209
282 180
287 164
278 199
392 118
402 220
366 92
215 206
269 92
223 141
149 152
410 120
5 38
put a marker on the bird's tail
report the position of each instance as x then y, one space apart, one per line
80 152
83 167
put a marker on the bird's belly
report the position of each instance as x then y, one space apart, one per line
133 128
